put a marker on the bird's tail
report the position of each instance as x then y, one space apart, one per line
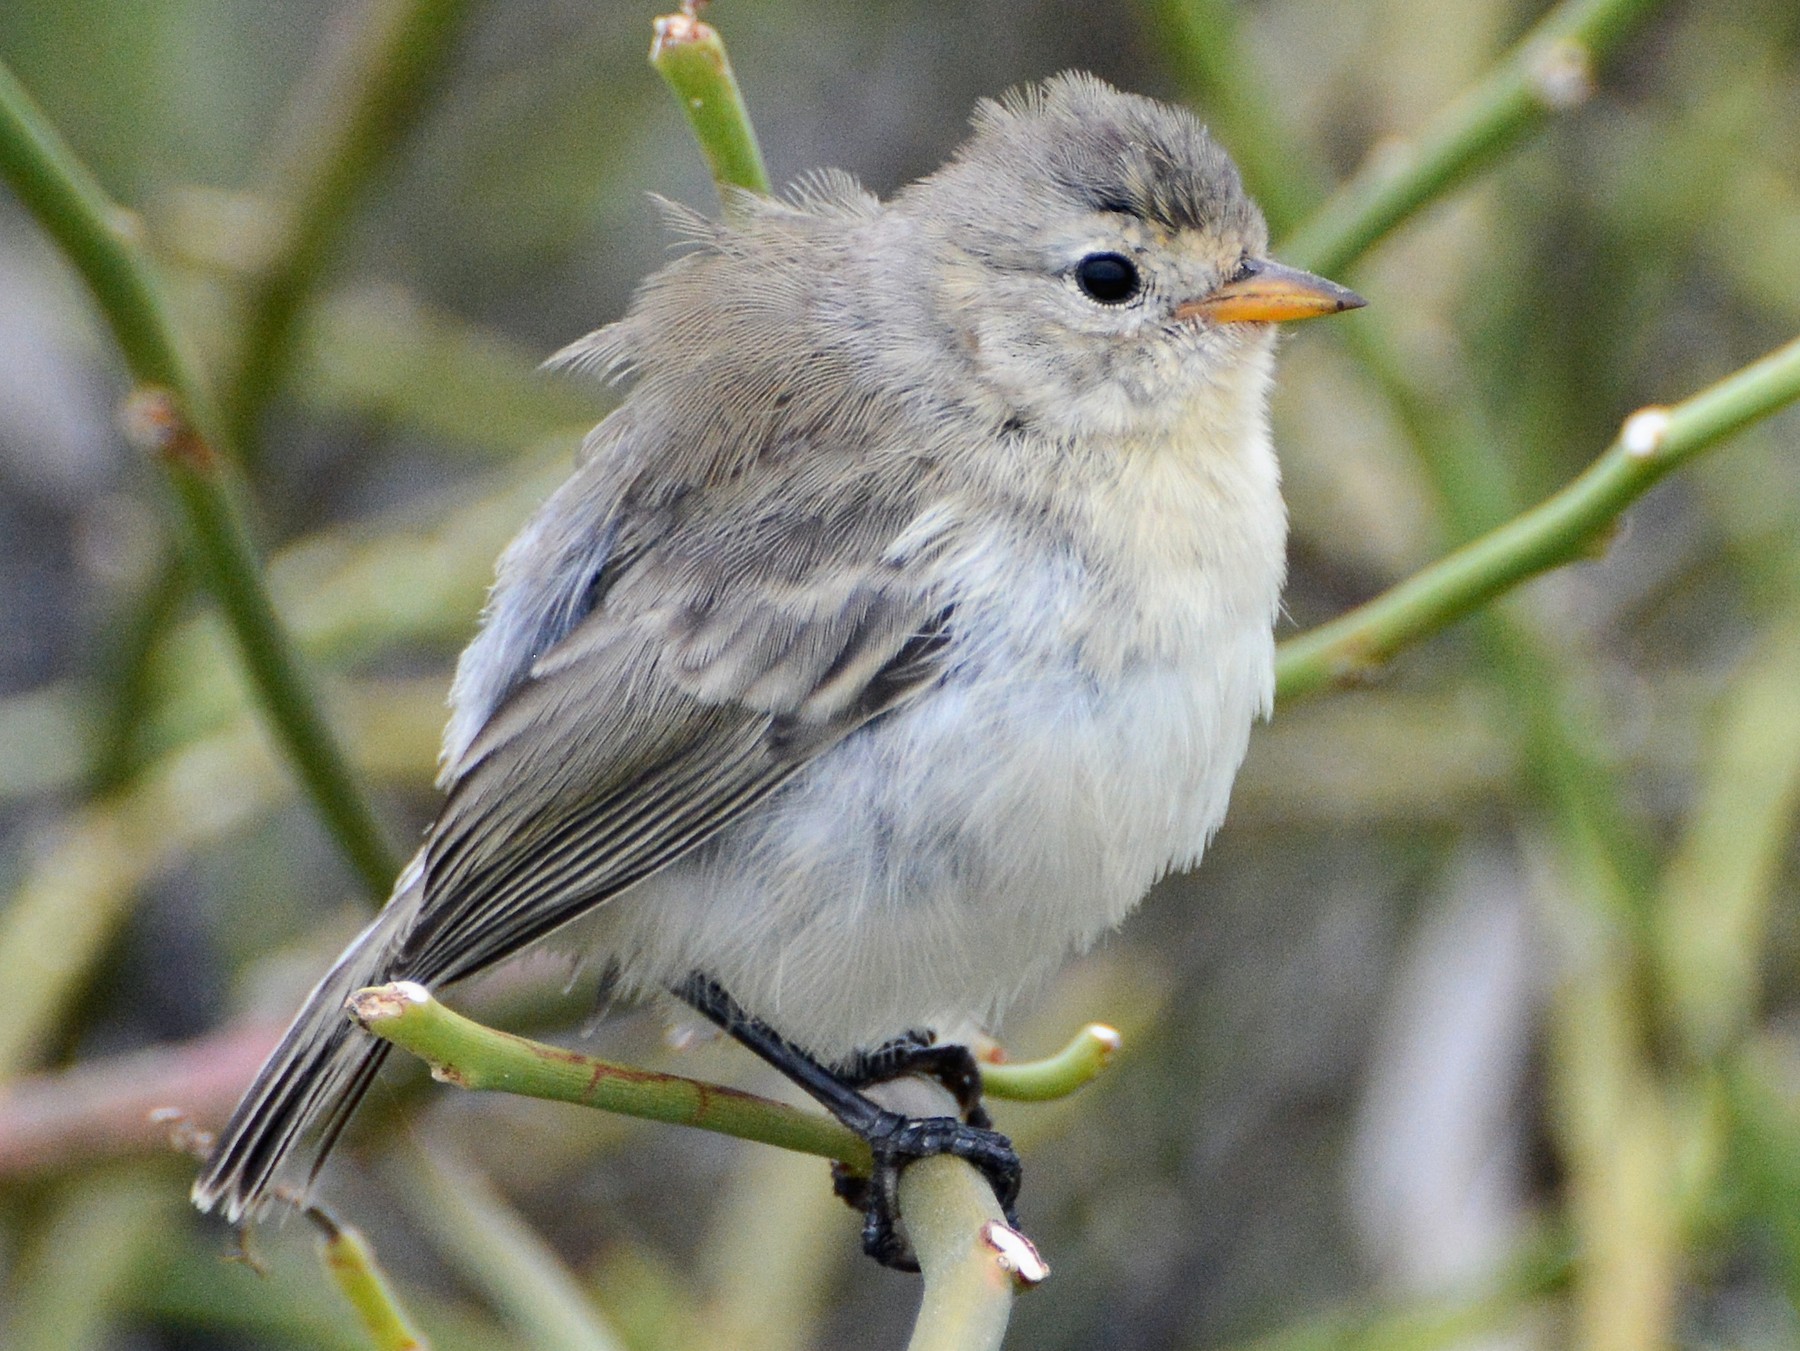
304 1094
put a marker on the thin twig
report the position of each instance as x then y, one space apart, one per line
1549 70
690 55
351 1264
372 94
1651 443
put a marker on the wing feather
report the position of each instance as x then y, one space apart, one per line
623 750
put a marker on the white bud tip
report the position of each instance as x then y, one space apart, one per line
1015 1252
381 1002
1563 75
1107 1037
1644 432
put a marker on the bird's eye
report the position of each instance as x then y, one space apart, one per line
1110 278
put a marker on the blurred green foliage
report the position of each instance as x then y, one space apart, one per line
1478 1021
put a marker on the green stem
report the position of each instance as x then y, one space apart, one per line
971 1260
1651 444
118 749
351 1264
690 56
463 1052
371 96
368 97
1548 70
206 492
175 414
1057 1076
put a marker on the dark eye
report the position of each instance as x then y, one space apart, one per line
1110 278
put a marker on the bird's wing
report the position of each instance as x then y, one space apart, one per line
757 628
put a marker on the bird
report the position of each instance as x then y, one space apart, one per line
902 625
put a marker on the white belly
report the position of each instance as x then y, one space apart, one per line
940 861
947 857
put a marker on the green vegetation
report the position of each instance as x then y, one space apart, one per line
1478 1020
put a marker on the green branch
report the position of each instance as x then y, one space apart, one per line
1073 1067
1651 444
1550 69
371 95
173 415
971 1260
351 1264
690 56
463 1052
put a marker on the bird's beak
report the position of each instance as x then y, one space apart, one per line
1268 293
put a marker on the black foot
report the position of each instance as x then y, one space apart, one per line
952 1065
909 1140
894 1140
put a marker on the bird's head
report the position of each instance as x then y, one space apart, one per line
1099 266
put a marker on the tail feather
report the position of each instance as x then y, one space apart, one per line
303 1096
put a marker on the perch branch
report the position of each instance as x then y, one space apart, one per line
463 1052
971 1259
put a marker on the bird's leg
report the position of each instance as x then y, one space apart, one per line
894 1140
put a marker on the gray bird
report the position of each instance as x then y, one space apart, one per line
902 626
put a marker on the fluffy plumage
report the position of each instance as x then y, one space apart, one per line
904 624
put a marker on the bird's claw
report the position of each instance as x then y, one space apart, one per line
949 1064
905 1141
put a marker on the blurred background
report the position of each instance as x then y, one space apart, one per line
1477 1026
